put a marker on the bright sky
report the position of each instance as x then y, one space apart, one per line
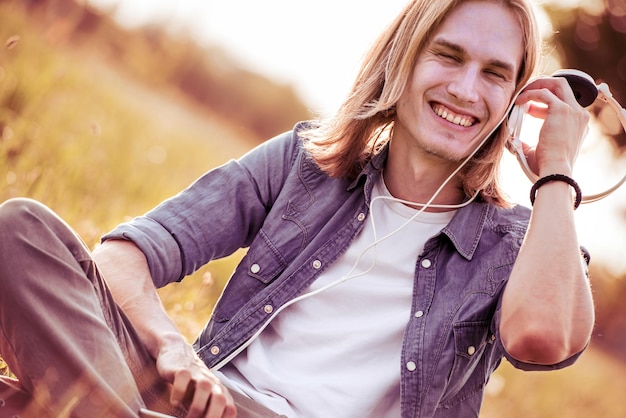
317 47
314 45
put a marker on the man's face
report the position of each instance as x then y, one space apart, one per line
462 82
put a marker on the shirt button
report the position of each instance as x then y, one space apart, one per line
419 314
426 263
255 268
268 309
317 264
215 350
411 366
471 350
361 217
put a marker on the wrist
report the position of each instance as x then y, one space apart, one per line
561 166
562 169
557 178
168 341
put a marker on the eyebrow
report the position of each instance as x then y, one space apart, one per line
503 65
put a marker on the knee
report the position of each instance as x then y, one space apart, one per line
32 234
27 223
26 220
16 228
17 213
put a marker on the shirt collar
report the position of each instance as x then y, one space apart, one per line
370 172
465 228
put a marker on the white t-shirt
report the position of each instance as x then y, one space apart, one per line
337 353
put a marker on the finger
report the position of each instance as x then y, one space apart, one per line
199 399
221 403
180 387
558 86
530 155
543 103
537 98
537 110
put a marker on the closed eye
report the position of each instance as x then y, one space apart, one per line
497 74
500 75
453 52
450 57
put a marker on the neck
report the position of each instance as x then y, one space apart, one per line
416 177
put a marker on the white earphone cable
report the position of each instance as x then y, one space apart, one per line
349 275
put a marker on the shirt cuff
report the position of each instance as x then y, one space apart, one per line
160 248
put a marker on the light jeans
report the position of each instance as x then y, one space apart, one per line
72 348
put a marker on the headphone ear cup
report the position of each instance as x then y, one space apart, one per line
582 84
514 123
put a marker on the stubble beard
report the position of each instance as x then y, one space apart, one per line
444 153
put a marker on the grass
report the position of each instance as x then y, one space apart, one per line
98 147
593 387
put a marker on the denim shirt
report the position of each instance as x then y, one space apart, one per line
296 221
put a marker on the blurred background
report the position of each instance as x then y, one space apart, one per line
108 107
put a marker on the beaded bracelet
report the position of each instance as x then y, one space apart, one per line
556 177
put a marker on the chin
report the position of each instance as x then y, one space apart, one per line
448 152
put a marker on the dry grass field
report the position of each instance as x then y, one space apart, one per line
98 145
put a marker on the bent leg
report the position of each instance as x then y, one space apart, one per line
61 332
13 400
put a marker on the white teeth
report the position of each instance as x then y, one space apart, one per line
442 112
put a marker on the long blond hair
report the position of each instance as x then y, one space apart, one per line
342 145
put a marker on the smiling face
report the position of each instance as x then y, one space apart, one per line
462 82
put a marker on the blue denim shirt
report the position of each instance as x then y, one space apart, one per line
296 221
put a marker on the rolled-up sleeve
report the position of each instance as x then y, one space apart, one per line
218 214
156 243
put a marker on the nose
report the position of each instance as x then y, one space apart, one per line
464 84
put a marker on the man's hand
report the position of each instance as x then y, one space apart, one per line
126 271
564 127
547 306
193 384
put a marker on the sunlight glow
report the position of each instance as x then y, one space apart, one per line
317 47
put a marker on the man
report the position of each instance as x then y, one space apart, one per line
392 271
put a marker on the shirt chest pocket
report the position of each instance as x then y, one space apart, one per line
469 370
264 260
258 269
286 234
